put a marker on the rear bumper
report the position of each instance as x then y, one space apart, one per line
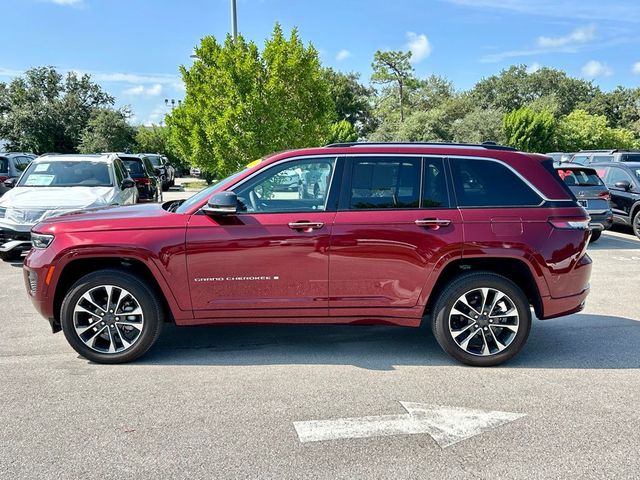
559 307
601 221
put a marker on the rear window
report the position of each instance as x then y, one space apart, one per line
582 177
156 161
4 165
134 166
486 183
602 158
630 157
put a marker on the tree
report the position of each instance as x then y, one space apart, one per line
156 139
515 88
108 131
342 131
242 104
43 111
581 130
621 106
393 68
480 125
431 126
530 131
351 99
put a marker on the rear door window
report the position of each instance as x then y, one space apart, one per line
488 183
630 157
21 164
385 183
434 189
582 177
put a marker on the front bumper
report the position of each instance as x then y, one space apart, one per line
15 240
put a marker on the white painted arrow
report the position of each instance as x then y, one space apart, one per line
447 425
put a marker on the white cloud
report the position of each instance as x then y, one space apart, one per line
141 90
594 68
636 68
67 2
534 67
155 117
579 35
419 46
343 55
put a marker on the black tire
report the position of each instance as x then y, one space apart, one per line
165 187
466 283
636 223
595 235
145 296
10 256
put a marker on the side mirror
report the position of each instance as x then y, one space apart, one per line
221 203
623 185
10 182
128 183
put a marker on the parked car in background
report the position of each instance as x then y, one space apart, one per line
194 172
591 193
141 170
587 157
57 184
560 157
12 164
164 169
623 181
470 238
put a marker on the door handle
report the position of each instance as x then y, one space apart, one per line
306 226
434 223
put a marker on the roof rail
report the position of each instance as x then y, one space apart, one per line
487 145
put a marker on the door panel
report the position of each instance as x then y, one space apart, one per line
258 262
383 258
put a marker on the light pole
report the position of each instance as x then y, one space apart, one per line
234 20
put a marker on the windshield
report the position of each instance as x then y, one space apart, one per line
67 174
581 159
583 177
202 194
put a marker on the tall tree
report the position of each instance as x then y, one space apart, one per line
351 99
108 131
242 104
155 139
580 130
44 111
393 68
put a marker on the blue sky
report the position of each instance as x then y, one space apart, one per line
133 47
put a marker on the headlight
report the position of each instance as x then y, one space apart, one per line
39 240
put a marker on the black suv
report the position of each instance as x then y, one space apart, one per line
143 173
163 168
11 167
587 157
623 180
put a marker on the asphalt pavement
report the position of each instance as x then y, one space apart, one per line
221 402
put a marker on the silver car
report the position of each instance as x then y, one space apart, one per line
57 184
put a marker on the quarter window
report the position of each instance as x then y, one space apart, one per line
385 182
297 186
486 183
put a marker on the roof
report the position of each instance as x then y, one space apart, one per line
615 164
90 157
485 145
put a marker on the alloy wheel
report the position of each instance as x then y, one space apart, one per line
483 321
108 319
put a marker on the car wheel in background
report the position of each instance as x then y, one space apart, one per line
10 256
481 319
595 235
111 316
636 223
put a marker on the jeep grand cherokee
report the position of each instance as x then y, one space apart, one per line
470 238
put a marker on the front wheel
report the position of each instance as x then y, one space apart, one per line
595 235
481 319
111 316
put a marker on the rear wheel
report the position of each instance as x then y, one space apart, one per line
636 224
111 316
481 319
595 235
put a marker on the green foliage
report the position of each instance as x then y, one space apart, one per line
107 131
580 130
156 139
43 111
393 69
515 88
529 130
241 103
431 126
351 99
621 106
342 131
480 125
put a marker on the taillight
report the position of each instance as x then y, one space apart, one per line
570 223
3 179
605 196
143 181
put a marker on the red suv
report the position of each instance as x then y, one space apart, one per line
471 237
